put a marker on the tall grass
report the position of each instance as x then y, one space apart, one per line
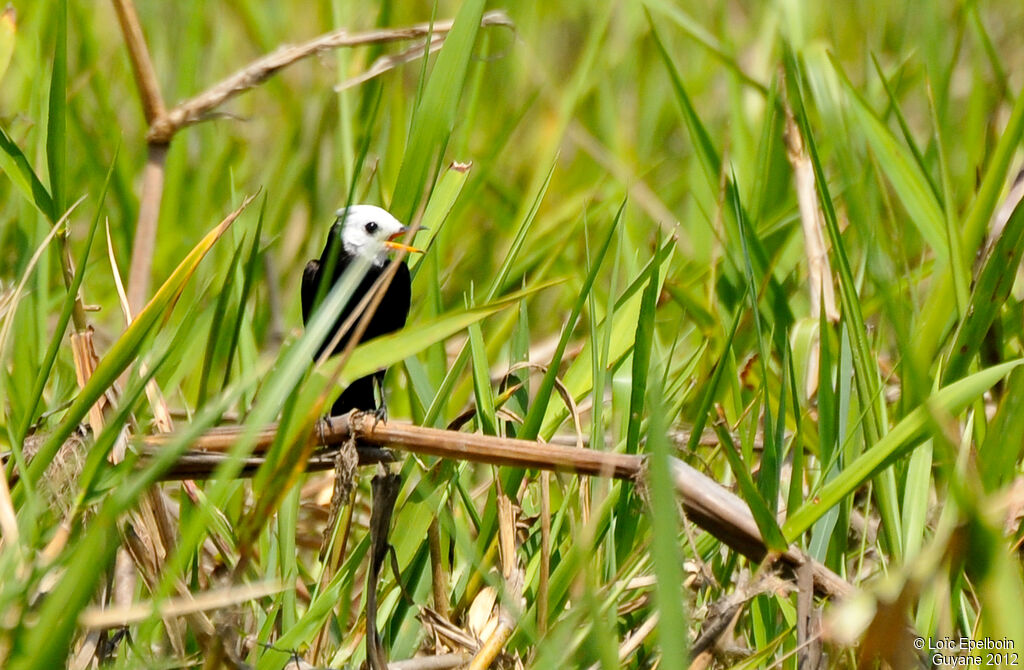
629 230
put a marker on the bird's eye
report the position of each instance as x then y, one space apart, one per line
371 227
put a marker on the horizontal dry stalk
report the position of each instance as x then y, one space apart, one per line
195 109
707 503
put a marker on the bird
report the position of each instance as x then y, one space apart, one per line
369 232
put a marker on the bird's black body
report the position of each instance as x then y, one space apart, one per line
389 317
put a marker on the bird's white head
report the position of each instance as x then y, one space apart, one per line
370 232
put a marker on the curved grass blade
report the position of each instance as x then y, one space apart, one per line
17 167
620 325
759 507
901 119
442 200
1004 440
482 390
217 326
936 316
247 282
866 375
46 643
665 552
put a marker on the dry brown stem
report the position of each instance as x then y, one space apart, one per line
142 65
819 271
145 227
707 503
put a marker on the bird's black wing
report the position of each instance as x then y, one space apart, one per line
401 290
394 307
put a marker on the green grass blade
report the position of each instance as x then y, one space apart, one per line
438 404
936 317
711 388
247 282
442 200
1004 440
17 167
700 35
642 345
759 507
387 350
481 381
46 643
866 375
901 119
664 546
213 338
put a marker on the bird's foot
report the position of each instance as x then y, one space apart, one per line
379 414
324 426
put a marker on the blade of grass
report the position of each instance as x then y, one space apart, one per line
936 317
1005 438
46 643
481 381
664 546
247 282
908 136
65 315
759 507
441 398
213 338
642 345
387 350
17 167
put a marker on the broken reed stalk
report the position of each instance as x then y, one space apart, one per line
707 503
197 108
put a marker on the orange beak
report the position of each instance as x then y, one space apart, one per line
398 246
